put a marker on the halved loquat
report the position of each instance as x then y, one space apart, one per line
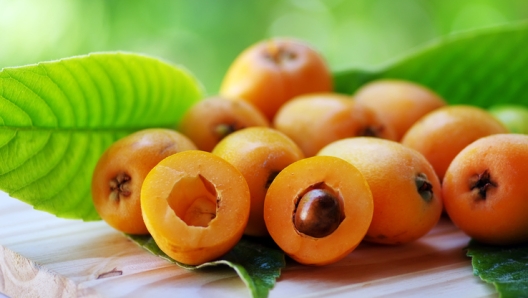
485 189
318 209
195 206
406 191
259 153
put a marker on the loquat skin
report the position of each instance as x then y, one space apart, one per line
120 171
208 121
406 191
271 72
195 206
443 133
485 190
318 209
259 153
317 119
400 103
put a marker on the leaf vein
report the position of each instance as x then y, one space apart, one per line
33 92
112 83
97 87
49 170
29 157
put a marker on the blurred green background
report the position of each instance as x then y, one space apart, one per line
205 36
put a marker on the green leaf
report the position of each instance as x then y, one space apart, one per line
504 266
57 118
256 264
480 67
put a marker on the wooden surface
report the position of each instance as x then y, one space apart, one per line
44 256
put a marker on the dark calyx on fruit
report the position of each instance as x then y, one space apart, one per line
224 129
424 187
120 187
371 131
278 54
481 184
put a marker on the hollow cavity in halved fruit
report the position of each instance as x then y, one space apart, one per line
194 200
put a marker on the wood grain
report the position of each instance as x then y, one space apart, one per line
45 256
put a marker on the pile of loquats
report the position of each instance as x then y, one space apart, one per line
277 153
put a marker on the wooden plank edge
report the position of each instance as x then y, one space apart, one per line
21 277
